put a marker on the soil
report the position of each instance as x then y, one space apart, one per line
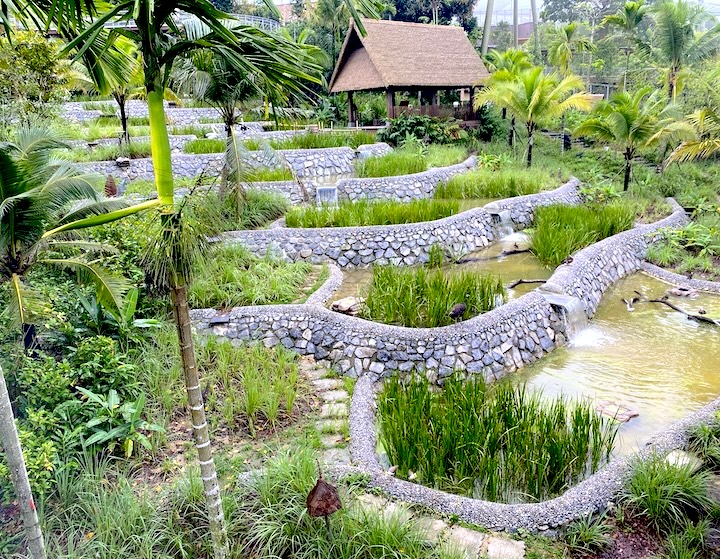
631 540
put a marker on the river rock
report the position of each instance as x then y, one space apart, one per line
616 411
348 305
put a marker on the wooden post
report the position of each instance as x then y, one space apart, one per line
390 97
351 112
471 110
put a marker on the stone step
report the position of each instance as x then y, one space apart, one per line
334 410
331 441
504 548
331 426
327 384
468 542
336 456
334 396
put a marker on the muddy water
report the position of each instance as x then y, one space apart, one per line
652 360
509 268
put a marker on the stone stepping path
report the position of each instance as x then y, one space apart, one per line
470 543
333 428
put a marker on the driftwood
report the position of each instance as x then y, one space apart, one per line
514 284
485 258
691 316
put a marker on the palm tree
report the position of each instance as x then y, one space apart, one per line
505 66
628 20
676 45
161 41
630 121
534 97
40 200
702 129
564 45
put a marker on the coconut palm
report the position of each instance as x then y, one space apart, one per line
505 66
628 18
676 45
630 121
534 97
702 136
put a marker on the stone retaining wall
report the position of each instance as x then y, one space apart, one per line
405 187
678 279
348 247
305 162
599 266
402 245
519 211
492 344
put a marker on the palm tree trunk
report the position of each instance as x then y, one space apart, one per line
511 135
18 474
628 169
162 164
120 99
530 147
199 422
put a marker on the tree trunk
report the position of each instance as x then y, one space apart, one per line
162 163
628 170
530 147
123 120
562 133
511 135
18 474
199 422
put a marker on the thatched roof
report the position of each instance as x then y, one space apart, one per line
406 55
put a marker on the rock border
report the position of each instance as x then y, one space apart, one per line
678 279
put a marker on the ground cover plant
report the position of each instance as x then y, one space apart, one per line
410 160
233 277
498 442
424 298
367 212
693 249
491 183
559 231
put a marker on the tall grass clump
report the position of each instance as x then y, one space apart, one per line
667 495
407 161
499 442
268 174
233 277
255 209
205 145
503 183
366 212
422 298
135 150
317 140
559 231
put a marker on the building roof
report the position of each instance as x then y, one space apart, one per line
396 54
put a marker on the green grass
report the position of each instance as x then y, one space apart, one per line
365 212
232 277
588 535
422 298
497 442
226 213
205 145
560 231
504 183
667 495
267 174
408 162
107 153
694 248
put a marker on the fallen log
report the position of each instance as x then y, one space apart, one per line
691 316
514 284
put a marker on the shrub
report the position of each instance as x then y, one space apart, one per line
421 298
426 128
496 442
667 495
560 231
101 367
484 183
233 277
365 212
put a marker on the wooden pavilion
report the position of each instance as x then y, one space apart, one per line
414 57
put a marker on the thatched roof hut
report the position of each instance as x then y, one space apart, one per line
400 56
